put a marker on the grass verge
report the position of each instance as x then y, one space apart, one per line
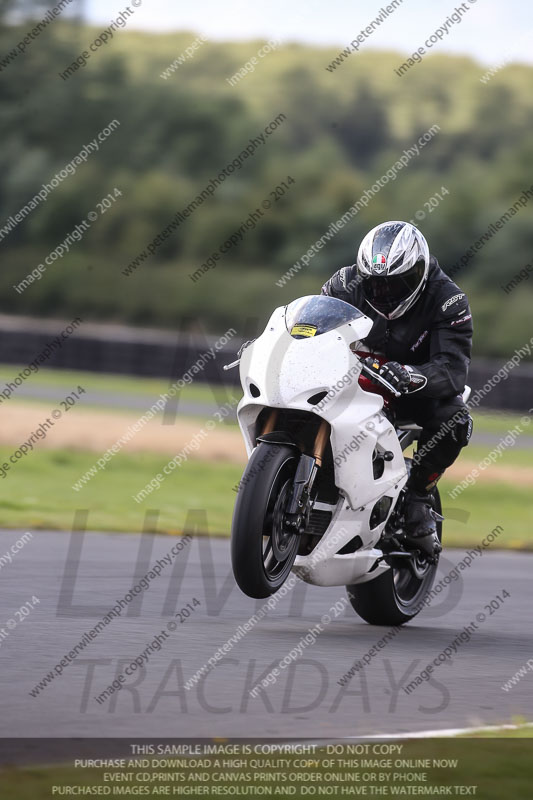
37 493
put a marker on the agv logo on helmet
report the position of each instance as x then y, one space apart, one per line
379 264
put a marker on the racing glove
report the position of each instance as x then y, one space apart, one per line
395 374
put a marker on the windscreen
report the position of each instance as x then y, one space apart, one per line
316 314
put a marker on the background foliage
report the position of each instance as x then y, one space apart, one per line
343 130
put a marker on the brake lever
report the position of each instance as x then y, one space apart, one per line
230 366
239 355
377 377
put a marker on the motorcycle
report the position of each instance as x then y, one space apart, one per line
322 494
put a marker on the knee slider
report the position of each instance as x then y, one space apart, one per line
462 429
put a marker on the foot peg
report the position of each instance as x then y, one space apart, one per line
428 544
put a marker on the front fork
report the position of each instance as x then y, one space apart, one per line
299 508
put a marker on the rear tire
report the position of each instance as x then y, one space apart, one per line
396 596
262 550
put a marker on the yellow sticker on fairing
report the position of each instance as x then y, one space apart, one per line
303 330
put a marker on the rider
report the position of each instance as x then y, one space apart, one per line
422 337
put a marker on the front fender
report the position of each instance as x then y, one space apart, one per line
277 437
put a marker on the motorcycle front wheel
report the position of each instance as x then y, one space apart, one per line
263 550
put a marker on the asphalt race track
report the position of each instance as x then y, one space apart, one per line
79 577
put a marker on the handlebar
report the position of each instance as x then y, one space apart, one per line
375 376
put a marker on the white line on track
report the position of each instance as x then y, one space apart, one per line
442 733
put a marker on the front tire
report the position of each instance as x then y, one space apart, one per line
396 596
262 549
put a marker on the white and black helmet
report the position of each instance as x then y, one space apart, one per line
393 264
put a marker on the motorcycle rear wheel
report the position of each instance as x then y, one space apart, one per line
396 596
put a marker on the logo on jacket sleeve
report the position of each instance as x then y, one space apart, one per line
419 341
452 300
343 274
461 320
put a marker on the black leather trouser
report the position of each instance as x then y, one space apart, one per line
447 427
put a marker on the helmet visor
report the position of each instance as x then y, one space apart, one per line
386 292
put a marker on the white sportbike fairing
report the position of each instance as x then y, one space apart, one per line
332 460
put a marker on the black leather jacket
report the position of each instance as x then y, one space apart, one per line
435 334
